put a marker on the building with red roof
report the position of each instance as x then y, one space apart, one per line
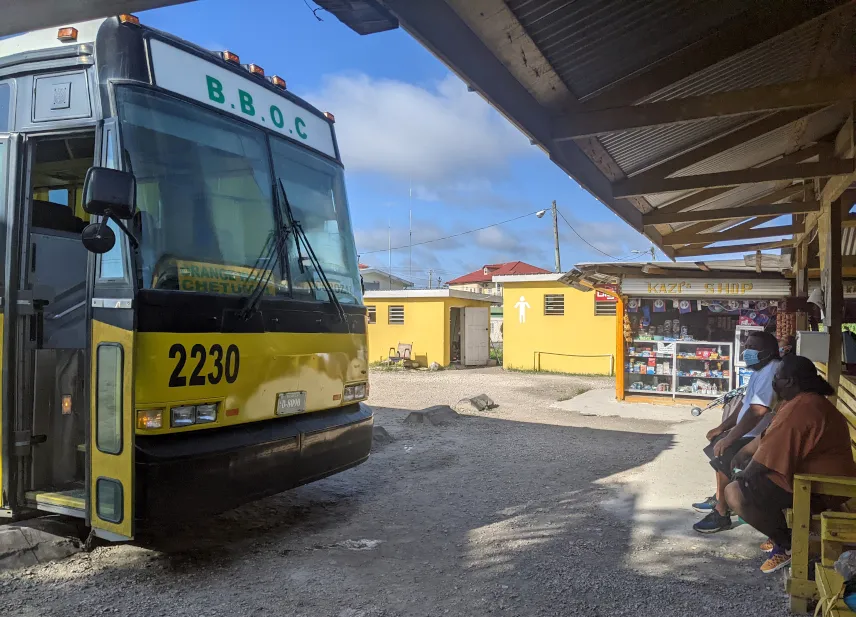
481 281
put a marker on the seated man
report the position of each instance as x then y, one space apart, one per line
762 357
807 435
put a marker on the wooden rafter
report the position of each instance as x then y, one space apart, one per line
808 93
725 214
734 248
729 235
735 138
768 173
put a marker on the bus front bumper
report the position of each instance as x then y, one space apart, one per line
192 474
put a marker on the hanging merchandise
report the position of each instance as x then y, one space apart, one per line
632 305
659 306
685 306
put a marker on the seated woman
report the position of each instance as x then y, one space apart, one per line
808 436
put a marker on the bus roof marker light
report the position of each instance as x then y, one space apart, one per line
329 116
228 56
278 81
255 69
129 19
67 35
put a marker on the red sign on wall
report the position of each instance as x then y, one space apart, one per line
600 296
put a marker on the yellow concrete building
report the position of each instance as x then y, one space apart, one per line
443 325
550 326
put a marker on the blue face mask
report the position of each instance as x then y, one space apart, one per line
750 357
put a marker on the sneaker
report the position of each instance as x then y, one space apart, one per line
767 546
778 559
705 506
713 522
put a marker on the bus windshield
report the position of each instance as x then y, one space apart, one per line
207 207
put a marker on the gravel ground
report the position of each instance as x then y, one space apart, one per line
524 510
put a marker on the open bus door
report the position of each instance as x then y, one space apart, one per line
10 165
110 443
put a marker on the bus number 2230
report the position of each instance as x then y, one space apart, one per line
225 365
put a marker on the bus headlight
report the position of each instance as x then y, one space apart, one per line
354 392
206 413
149 418
183 416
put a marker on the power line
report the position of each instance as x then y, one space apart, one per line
583 239
463 233
625 258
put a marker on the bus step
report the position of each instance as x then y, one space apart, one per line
70 502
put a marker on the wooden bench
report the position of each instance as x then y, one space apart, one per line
801 587
838 531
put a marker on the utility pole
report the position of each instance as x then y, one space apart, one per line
430 273
556 236
389 251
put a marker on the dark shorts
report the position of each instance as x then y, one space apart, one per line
765 495
722 464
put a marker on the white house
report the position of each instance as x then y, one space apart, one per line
378 280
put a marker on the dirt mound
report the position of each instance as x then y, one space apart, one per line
437 415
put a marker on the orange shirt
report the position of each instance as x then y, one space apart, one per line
807 435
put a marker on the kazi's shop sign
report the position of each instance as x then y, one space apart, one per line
654 287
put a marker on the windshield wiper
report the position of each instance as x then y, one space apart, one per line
267 259
300 235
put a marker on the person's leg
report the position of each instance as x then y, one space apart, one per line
768 520
721 498
763 509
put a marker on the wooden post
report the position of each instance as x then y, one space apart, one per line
801 268
619 348
831 277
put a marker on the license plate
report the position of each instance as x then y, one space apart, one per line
288 403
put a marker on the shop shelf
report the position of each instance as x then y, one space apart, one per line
699 394
688 376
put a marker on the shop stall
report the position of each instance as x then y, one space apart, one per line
684 337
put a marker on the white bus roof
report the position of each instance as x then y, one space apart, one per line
46 38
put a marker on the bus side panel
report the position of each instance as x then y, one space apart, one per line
111 436
3 501
243 373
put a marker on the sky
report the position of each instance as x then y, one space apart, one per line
413 140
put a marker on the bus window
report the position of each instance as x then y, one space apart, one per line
5 107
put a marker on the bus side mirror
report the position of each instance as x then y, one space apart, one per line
98 238
110 192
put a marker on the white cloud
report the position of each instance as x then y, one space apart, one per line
440 135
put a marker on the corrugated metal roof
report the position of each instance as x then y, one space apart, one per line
848 241
782 59
633 150
772 145
593 43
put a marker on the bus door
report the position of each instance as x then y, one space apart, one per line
110 448
10 173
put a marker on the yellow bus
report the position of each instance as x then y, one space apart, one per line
182 315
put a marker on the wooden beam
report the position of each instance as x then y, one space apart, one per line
702 266
745 133
734 248
833 287
728 235
779 194
849 221
845 148
808 93
769 173
760 23
723 214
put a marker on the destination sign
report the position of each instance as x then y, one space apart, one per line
203 81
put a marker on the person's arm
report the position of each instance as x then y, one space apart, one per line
749 421
729 423
743 459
